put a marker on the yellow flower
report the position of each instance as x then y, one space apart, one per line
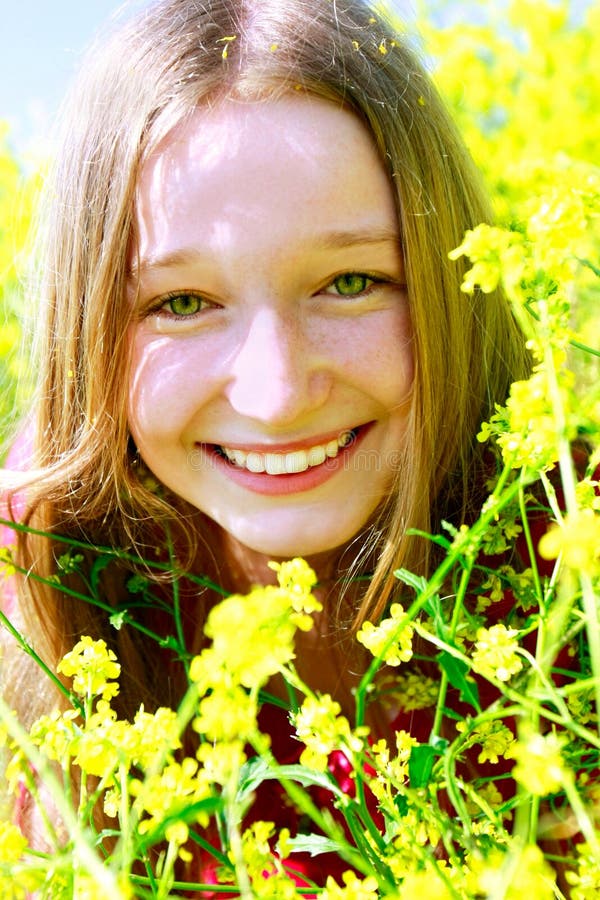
512 875
284 845
353 888
410 690
391 639
253 635
227 714
490 795
585 879
392 772
12 843
496 652
92 666
152 734
256 848
86 887
426 884
495 253
221 761
322 729
582 706
177 833
495 738
7 568
540 767
296 576
20 877
54 734
165 794
531 437
577 539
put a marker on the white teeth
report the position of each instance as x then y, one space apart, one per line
296 461
237 456
255 462
288 463
275 464
316 456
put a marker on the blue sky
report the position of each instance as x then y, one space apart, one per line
42 42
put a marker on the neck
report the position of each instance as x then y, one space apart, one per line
241 568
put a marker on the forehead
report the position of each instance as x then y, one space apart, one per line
296 159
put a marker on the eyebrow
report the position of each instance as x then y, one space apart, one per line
333 240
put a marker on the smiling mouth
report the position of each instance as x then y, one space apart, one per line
290 463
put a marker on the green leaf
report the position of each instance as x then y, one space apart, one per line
313 844
117 619
252 774
456 672
590 265
438 539
69 562
257 770
439 744
99 564
188 814
417 582
137 584
433 605
420 765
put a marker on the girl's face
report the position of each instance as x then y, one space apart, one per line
272 361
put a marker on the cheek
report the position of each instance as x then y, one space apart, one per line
379 355
161 387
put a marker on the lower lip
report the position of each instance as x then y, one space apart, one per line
278 485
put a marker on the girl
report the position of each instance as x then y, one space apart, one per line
254 345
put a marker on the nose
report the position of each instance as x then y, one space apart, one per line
276 375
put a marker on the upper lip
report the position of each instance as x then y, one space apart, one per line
288 446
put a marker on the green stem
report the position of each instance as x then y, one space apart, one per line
179 630
529 541
85 598
456 613
26 646
114 553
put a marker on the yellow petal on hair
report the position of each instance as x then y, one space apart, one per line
227 40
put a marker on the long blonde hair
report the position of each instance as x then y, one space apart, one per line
133 89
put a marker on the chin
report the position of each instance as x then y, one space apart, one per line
306 545
279 543
287 549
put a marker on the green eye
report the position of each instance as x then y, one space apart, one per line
184 304
351 283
